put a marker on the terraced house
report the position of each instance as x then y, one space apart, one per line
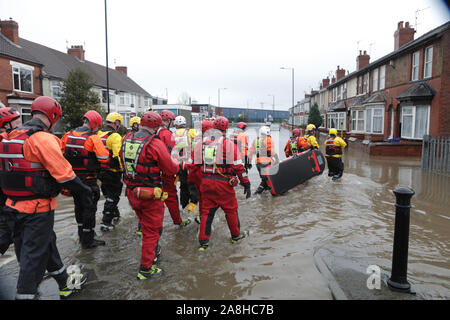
29 69
385 107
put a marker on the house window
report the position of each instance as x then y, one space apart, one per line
415 122
344 91
428 62
111 97
415 66
147 101
360 90
358 120
26 114
124 99
374 120
366 83
375 80
382 77
336 120
55 87
22 78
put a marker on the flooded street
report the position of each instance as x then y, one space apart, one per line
276 261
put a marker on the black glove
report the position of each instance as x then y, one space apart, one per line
77 187
247 190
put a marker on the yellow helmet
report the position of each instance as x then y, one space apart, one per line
310 127
333 131
113 116
135 120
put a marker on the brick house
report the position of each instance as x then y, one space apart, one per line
386 107
20 72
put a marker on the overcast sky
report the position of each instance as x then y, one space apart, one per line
198 46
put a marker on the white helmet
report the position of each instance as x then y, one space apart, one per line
264 130
179 121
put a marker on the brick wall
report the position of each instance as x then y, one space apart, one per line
444 112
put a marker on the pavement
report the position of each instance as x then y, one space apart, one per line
348 278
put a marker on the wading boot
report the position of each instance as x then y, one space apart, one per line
147 273
260 189
73 283
107 222
203 245
244 233
116 215
184 223
88 241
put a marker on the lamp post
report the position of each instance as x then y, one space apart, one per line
292 93
273 101
218 94
107 68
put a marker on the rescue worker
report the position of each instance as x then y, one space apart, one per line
333 152
296 144
184 145
111 172
33 170
9 120
134 124
85 151
169 182
146 158
264 149
310 128
195 174
242 144
220 164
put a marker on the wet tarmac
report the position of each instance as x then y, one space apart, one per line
276 261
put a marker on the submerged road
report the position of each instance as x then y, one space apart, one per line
276 261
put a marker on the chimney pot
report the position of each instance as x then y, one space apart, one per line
76 51
122 69
403 35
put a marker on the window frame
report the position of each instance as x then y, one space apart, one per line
413 124
355 120
382 84
20 67
415 67
426 63
375 80
372 118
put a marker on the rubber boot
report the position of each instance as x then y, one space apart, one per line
107 220
88 241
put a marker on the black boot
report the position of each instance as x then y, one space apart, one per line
88 241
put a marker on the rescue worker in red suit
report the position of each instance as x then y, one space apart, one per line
220 163
9 120
85 151
169 182
195 174
32 171
146 159
296 144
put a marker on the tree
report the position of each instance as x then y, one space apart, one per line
314 116
77 98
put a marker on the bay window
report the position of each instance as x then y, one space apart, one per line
415 121
336 120
374 120
358 121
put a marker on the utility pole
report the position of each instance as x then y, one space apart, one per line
107 68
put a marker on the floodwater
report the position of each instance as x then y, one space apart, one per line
276 262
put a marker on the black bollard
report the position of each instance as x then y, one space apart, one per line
398 280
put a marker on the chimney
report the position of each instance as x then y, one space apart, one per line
340 73
325 82
10 29
122 69
362 60
403 35
76 51
333 80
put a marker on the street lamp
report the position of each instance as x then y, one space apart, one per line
218 94
273 101
292 93
107 68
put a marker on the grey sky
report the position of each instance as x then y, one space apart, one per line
198 46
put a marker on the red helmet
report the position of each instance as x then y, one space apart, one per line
151 119
48 106
296 132
167 115
94 118
206 125
221 123
242 125
8 115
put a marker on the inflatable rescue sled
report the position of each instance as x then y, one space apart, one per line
295 170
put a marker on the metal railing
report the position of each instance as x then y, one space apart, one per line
436 154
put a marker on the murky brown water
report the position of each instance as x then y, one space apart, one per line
276 261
